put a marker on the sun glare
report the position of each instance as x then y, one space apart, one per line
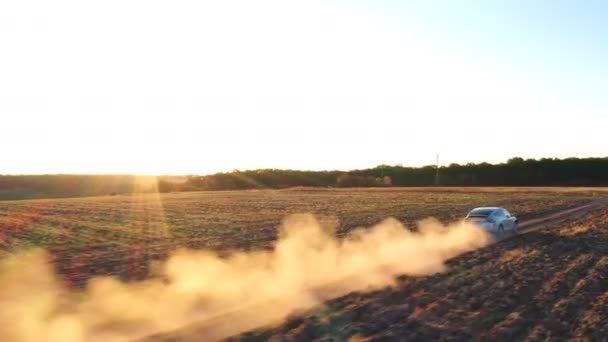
214 86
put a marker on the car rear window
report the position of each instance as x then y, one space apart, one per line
481 212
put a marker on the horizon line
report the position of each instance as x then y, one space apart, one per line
278 169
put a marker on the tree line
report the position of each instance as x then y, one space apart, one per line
515 172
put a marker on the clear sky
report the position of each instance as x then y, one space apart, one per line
172 87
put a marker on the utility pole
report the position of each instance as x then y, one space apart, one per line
437 172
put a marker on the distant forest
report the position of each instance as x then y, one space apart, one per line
515 172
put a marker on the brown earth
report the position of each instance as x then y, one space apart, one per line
123 235
547 283
550 283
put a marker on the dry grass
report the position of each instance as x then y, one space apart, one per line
517 254
121 235
544 285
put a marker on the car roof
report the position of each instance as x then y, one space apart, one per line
483 210
486 208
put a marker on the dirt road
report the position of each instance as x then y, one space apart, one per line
556 217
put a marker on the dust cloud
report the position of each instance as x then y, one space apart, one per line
215 297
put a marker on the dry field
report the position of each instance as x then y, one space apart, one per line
550 284
120 235
543 284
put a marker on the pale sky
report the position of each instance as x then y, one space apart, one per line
194 87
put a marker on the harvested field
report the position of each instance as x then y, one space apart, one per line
547 284
486 293
120 235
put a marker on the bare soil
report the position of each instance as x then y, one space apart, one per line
547 284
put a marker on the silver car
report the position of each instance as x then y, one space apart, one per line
493 219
